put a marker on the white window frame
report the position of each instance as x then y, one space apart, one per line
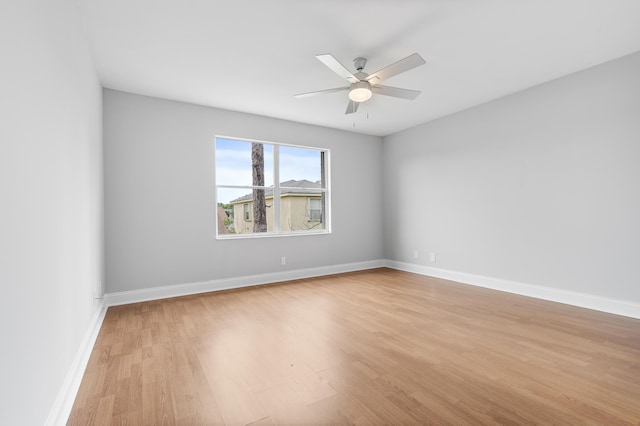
277 230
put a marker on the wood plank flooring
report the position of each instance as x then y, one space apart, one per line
372 347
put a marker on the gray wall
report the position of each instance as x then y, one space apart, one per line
159 196
50 202
540 187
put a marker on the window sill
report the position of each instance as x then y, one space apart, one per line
271 235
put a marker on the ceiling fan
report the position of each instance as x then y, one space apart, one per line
364 85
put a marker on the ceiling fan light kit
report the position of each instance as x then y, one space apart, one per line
364 85
360 91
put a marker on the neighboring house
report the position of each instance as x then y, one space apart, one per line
300 208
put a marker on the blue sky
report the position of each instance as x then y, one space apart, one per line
233 166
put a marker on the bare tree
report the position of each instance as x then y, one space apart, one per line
259 203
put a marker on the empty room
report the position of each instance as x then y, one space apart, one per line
310 213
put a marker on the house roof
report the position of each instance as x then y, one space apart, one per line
289 187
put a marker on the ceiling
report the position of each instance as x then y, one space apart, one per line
253 56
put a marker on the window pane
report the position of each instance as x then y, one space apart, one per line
300 164
236 211
234 164
302 211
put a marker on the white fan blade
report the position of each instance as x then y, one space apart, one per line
396 92
396 68
335 66
352 107
320 92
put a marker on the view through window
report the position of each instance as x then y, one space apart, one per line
265 188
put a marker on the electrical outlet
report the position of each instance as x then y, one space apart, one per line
416 254
283 260
432 256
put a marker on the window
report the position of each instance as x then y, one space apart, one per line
315 209
267 189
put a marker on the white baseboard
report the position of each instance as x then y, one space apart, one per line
134 296
583 300
63 404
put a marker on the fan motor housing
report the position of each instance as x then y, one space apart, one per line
359 63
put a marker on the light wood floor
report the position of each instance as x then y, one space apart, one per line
373 347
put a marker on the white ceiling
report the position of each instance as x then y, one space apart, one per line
253 56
